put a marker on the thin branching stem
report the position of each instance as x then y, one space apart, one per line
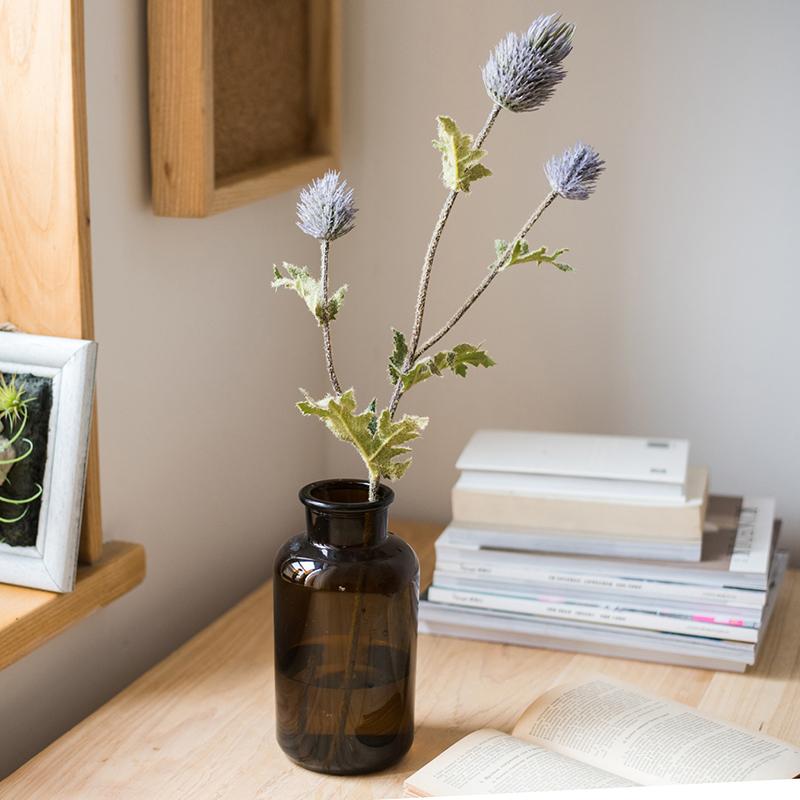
352 643
324 248
487 126
493 272
425 277
427 266
374 485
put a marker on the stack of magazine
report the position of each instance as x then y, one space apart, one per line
603 545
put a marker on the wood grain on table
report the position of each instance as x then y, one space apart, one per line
201 723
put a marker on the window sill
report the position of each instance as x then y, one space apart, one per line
30 617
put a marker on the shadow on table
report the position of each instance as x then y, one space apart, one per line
429 741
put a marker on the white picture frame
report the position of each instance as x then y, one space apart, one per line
51 563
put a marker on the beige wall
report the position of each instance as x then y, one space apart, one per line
679 320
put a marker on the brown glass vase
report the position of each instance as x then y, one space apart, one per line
346 594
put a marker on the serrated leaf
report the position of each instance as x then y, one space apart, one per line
522 254
309 289
457 360
373 423
398 356
467 355
335 303
381 442
390 440
460 159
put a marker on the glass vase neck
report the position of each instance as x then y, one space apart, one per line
340 514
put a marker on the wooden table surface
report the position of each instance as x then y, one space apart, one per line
200 724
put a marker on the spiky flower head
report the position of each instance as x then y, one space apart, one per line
13 403
574 173
551 37
524 69
325 209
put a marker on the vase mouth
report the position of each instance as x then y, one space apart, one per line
344 495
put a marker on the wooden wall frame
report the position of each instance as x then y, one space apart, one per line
244 99
46 276
45 251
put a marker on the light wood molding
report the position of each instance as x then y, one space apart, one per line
45 253
201 162
29 617
201 723
181 119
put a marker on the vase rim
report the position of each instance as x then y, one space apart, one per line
310 496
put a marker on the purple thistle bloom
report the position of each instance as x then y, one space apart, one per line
325 209
524 69
574 173
551 37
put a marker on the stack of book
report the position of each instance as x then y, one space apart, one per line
604 545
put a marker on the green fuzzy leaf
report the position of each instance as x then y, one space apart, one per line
458 360
522 254
460 160
398 356
380 441
335 303
309 289
373 408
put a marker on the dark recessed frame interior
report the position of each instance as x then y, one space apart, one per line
244 99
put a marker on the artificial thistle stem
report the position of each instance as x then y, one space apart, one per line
495 269
433 245
498 266
374 485
520 75
324 249
430 255
487 126
425 277
350 663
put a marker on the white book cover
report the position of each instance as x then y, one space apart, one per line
577 581
460 628
689 608
577 463
570 487
561 634
733 559
513 537
752 548
564 633
598 615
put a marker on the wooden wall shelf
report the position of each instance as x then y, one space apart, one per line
29 617
45 274
45 250
244 99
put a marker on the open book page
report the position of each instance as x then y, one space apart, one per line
650 740
489 761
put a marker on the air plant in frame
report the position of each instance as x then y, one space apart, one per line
520 75
13 421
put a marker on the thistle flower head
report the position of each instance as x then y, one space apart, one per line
13 403
574 173
325 209
551 37
524 69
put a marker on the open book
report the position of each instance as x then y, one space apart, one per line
599 734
